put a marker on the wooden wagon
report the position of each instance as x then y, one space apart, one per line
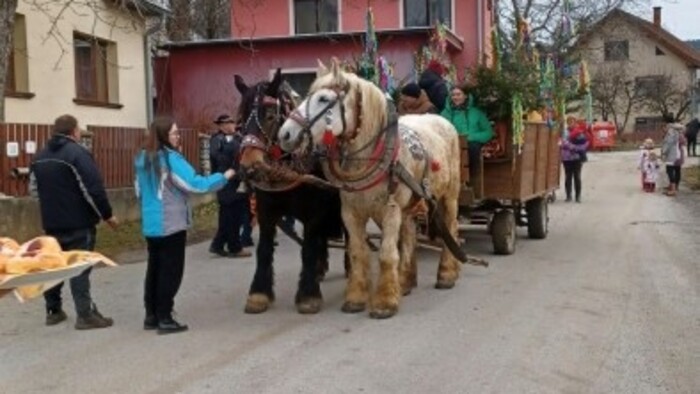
514 186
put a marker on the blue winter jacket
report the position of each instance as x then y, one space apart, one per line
165 208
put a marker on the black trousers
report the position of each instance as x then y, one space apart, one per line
474 150
572 172
83 239
231 217
692 146
166 265
674 174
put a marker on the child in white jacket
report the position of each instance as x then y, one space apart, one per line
644 152
650 171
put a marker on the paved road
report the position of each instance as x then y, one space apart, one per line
609 303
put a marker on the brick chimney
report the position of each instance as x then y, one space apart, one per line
657 16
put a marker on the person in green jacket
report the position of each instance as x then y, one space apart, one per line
470 122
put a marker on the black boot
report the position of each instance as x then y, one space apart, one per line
150 322
170 326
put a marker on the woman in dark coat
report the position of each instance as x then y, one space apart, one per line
434 85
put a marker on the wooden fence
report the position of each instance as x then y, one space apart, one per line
638 137
113 148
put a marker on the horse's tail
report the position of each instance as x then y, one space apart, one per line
433 231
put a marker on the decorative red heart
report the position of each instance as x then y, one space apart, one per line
328 138
275 152
434 165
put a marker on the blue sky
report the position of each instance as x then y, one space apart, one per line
680 17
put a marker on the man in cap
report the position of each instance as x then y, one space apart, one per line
224 151
414 100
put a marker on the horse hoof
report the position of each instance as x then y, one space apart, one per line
406 291
320 277
257 303
310 306
353 307
444 284
383 313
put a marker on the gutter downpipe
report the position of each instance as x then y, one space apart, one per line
480 30
149 68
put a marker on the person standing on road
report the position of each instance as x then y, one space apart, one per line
691 134
72 200
573 154
672 153
233 205
164 179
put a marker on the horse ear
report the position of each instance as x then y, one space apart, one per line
275 84
240 84
335 69
322 69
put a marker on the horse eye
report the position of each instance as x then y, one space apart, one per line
323 99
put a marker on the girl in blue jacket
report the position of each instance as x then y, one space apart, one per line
164 179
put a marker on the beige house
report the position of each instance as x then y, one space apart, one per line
645 56
89 62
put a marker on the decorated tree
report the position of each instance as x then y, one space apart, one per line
434 56
371 65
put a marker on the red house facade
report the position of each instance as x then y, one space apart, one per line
195 80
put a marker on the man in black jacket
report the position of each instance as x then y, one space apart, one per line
224 154
432 82
73 201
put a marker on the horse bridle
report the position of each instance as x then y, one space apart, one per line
265 101
307 122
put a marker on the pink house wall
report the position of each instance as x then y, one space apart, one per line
272 18
198 78
200 84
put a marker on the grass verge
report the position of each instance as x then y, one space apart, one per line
691 177
127 244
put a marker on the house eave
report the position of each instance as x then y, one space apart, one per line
454 42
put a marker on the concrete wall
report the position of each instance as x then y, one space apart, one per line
20 217
51 70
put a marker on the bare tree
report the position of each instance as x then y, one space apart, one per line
180 23
662 94
213 18
615 94
7 23
206 19
545 18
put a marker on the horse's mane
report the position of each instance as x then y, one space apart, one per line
373 106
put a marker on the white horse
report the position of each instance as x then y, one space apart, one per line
370 160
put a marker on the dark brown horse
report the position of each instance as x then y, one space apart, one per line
281 191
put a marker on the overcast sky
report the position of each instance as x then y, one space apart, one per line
680 17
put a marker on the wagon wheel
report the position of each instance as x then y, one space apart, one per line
537 218
503 232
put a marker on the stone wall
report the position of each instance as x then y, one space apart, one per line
20 217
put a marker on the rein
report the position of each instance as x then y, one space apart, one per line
385 145
261 140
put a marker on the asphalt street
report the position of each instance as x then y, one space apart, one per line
608 303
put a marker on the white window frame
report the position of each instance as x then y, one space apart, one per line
293 70
453 20
292 31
